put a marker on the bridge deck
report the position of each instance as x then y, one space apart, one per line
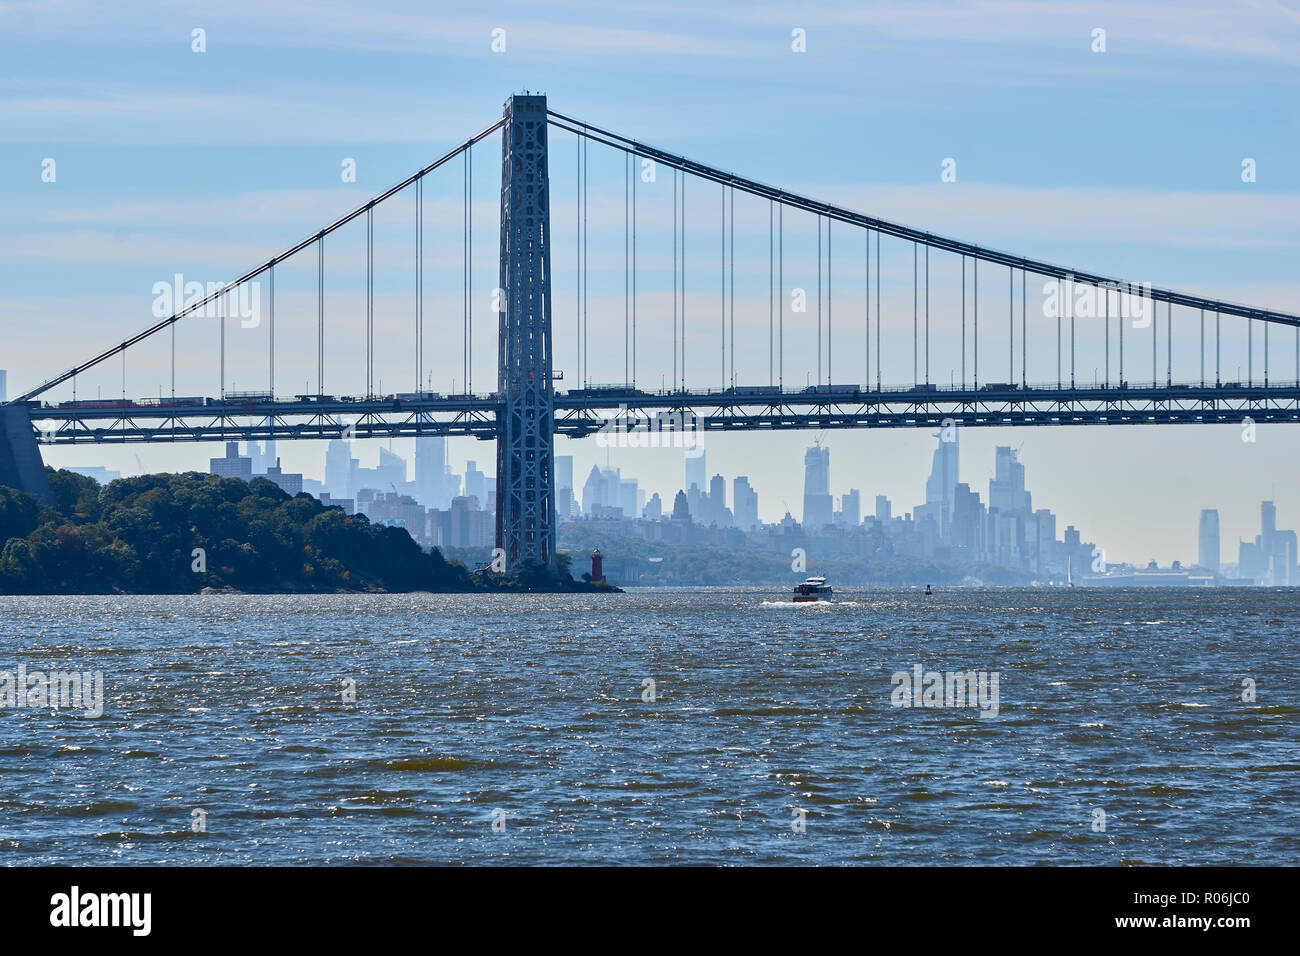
588 411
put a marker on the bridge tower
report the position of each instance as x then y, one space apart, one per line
526 423
21 466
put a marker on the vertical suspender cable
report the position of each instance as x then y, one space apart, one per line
464 275
577 256
1250 352
370 301
320 314
627 263
830 305
879 314
866 372
733 288
915 372
1203 347
1155 339
270 335
975 310
586 243
722 269
419 283
963 322
676 173
469 273
1024 333
820 380
635 177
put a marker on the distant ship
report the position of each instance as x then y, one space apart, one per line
814 589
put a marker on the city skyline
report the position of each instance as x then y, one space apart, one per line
939 488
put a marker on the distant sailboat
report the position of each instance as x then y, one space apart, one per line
1069 571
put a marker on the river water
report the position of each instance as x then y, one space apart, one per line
492 729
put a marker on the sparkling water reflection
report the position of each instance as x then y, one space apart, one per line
1126 701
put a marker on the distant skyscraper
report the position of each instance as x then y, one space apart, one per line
475 482
1267 528
744 502
564 500
883 509
431 477
968 523
2 386
1282 571
291 484
627 496
233 465
1007 487
718 502
818 506
338 469
605 488
851 508
654 508
941 486
1251 562
1208 550
262 455
696 472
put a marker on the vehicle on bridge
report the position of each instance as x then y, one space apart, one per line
99 403
832 390
1000 387
177 401
607 391
252 396
752 390
418 396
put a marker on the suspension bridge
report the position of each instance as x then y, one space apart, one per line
1077 356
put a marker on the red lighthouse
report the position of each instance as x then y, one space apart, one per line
597 566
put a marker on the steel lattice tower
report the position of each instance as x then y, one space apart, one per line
526 423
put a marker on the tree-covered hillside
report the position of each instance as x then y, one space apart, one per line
177 534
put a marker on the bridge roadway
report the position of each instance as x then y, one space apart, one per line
582 412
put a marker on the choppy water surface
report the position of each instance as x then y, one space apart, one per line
1125 701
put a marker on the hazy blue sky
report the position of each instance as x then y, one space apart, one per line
1125 162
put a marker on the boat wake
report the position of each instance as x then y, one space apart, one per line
811 604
